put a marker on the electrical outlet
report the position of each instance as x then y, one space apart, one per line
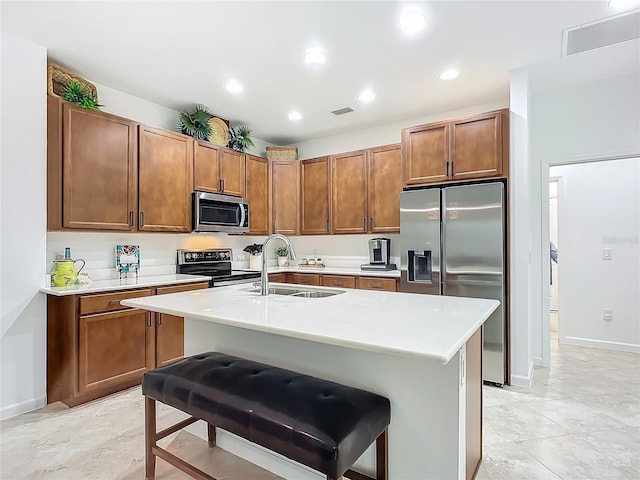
607 314
606 254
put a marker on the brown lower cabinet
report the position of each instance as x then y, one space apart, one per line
345 281
305 278
278 277
388 284
377 283
95 346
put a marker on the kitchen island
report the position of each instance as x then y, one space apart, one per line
422 352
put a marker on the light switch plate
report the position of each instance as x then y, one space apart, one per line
606 254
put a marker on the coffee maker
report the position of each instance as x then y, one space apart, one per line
379 255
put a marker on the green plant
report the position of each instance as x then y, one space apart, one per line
77 93
196 122
281 251
240 138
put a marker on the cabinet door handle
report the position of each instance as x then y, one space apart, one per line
159 320
376 285
364 223
327 226
338 282
222 184
131 218
114 302
304 280
141 222
452 168
371 224
447 174
149 320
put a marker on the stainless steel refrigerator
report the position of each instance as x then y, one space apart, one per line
452 242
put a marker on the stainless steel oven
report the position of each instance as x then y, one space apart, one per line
216 263
213 212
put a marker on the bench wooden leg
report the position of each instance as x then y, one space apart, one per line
382 456
149 438
211 433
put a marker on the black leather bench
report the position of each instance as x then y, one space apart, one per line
321 424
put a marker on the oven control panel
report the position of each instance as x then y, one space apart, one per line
204 256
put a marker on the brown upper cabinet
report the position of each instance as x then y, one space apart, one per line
108 173
165 181
257 192
285 179
365 191
218 169
92 169
459 149
385 185
315 196
349 192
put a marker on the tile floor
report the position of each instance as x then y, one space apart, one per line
581 420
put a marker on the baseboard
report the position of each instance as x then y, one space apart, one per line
589 342
22 407
537 361
256 454
521 380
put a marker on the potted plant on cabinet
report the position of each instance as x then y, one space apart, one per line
240 138
283 256
196 122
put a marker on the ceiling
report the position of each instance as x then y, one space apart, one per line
178 54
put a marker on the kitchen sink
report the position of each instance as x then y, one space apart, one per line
300 292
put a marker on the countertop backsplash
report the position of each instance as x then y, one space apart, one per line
158 251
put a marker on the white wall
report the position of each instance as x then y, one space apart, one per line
23 237
598 208
520 232
595 115
380 135
152 114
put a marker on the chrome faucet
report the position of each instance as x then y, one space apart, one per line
264 278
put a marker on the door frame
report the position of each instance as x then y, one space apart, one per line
543 252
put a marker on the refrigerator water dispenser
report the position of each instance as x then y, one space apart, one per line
419 268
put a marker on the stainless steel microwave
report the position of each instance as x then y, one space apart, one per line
213 212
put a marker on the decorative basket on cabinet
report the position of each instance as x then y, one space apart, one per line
59 77
282 153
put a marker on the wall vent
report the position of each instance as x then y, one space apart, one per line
601 33
342 111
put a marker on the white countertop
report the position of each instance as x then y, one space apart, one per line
107 285
398 323
333 271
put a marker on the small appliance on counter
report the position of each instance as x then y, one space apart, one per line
215 263
379 256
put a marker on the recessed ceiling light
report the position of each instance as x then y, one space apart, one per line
367 96
623 4
450 74
234 86
412 21
314 56
294 116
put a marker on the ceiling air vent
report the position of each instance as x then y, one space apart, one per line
342 111
601 33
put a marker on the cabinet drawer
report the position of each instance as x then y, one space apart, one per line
377 283
343 281
181 288
107 302
278 277
305 278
